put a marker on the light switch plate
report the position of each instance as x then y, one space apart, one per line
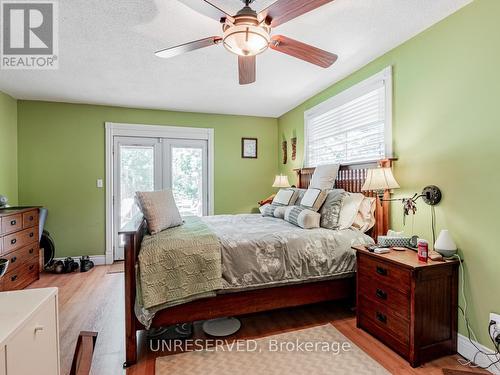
99 183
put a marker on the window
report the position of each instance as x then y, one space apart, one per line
353 126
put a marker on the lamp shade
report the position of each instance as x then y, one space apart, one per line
281 182
445 245
380 179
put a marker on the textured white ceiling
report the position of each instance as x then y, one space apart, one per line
106 54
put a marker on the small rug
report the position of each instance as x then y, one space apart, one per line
117 267
319 350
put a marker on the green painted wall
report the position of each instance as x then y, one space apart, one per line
446 132
61 154
8 148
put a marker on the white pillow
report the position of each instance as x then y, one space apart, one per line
286 197
313 199
159 209
349 210
324 176
365 218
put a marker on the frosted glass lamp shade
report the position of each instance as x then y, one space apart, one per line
379 179
281 182
445 245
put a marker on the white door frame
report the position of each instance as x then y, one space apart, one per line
150 131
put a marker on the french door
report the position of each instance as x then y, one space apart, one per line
149 164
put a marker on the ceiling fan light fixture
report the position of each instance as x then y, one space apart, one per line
246 40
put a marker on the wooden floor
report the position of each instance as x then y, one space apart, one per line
93 301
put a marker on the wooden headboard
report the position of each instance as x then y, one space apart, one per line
351 178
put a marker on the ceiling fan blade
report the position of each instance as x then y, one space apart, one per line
283 11
246 69
188 47
302 51
208 9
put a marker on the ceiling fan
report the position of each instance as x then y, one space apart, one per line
248 34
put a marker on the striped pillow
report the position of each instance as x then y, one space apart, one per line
302 217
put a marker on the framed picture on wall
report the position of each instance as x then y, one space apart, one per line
249 148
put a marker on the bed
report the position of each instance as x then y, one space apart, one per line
240 295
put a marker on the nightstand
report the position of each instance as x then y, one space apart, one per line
410 306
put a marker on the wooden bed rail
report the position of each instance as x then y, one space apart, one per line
132 233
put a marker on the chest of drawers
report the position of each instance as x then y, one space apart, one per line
19 243
410 306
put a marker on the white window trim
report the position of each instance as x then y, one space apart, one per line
352 93
150 131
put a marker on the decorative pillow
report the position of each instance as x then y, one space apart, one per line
159 209
300 195
330 211
324 176
349 210
313 199
365 218
302 217
283 199
286 197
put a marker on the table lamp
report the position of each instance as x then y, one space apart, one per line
281 181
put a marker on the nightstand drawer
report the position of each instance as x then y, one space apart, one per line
385 272
383 335
383 317
398 302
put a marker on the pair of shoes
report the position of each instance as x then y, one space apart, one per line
86 264
59 266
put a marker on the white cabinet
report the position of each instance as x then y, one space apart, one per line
2 360
29 332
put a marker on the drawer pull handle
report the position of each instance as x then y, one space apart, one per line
32 234
13 278
38 329
381 271
13 222
381 294
31 267
30 218
13 260
381 317
13 241
31 251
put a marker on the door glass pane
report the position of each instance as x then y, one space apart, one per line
187 180
136 174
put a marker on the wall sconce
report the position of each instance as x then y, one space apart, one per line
381 179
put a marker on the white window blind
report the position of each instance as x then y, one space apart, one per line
354 126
